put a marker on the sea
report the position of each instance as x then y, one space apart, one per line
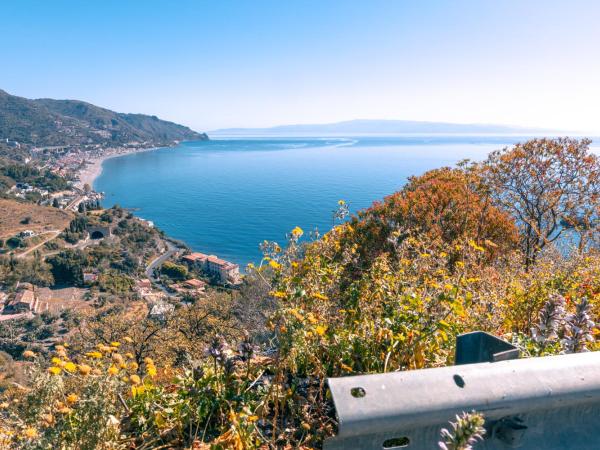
226 196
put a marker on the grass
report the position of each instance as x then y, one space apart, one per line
43 218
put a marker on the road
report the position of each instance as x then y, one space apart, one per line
172 249
54 233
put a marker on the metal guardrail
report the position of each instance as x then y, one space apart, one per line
536 403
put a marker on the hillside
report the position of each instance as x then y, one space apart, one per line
48 122
360 127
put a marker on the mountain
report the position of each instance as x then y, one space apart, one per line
360 127
46 122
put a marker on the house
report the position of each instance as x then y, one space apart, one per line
26 234
90 277
194 283
225 271
24 301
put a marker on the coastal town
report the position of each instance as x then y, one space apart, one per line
166 273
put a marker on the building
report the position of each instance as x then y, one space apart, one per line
224 271
194 283
24 301
90 277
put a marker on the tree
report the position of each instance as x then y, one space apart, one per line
55 203
445 205
548 185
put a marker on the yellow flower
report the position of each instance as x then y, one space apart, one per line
277 294
96 355
70 367
148 360
297 232
133 366
117 358
320 329
341 202
112 370
28 354
57 362
115 344
30 433
129 355
72 399
128 339
274 264
84 369
320 296
151 370
135 379
54 370
59 348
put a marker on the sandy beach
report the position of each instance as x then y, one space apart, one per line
94 167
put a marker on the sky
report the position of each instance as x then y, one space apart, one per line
225 63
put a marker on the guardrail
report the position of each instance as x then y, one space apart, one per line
536 403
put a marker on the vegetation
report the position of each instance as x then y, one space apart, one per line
386 290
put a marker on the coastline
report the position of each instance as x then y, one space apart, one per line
93 168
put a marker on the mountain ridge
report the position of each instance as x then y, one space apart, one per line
373 126
47 122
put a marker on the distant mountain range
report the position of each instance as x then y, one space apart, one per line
47 122
379 127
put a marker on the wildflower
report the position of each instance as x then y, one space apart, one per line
297 232
274 264
277 294
148 360
135 379
115 344
84 369
117 358
128 339
70 367
59 348
550 320
57 362
341 202
112 370
72 399
246 348
129 355
96 355
217 349
133 366
54 370
320 329
30 433
320 296
28 354
96 371
151 371
578 328
466 431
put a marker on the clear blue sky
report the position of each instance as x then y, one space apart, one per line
222 63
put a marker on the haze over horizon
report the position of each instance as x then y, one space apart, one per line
227 64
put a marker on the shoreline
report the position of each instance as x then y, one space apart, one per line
93 168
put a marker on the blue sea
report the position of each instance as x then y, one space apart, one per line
226 196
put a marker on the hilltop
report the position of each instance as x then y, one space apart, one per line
48 122
361 127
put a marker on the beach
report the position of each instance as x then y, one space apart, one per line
93 168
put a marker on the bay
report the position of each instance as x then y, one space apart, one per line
226 196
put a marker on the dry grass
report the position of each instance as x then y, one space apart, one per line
43 218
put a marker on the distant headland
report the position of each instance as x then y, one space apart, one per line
380 127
